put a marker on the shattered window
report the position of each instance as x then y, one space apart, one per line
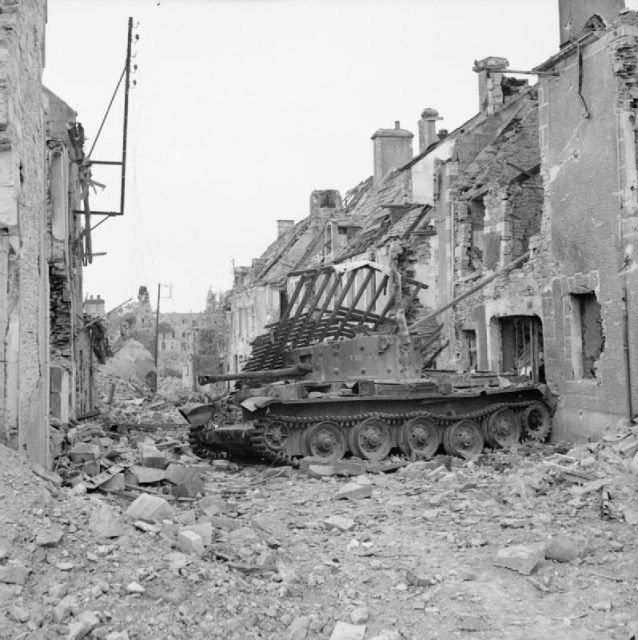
588 339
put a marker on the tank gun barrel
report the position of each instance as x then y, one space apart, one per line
268 374
474 289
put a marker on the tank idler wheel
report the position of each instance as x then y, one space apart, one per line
419 437
370 439
503 429
463 438
274 436
324 440
536 420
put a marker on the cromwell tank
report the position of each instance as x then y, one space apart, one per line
343 374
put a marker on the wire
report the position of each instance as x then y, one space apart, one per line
99 131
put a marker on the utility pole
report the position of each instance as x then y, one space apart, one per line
159 288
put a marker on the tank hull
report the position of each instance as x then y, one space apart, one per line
415 418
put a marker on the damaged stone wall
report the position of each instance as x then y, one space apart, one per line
73 348
496 218
23 322
588 143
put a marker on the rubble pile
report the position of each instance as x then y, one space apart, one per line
125 401
132 538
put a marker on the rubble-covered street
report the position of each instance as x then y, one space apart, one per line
537 542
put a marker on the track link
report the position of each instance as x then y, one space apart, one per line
259 436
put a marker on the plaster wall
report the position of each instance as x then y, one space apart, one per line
584 172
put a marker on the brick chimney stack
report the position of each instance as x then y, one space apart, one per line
392 149
490 72
575 14
427 128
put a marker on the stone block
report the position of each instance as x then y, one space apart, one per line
227 524
339 522
49 537
105 521
149 508
148 475
83 624
84 451
146 527
213 506
153 457
272 524
186 517
190 542
187 480
298 629
321 468
203 529
14 573
354 491
346 631
565 548
91 468
521 558
113 484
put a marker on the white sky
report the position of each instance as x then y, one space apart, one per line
243 107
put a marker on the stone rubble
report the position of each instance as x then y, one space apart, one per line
451 546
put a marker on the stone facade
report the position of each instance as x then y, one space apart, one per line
537 195
23 253
46 349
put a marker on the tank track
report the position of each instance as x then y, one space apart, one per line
259 444
202 449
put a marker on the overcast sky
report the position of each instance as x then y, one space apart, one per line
243 107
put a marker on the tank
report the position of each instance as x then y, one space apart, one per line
343 373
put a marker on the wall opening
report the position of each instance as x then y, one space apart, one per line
522 346
477 217
588 339
470 351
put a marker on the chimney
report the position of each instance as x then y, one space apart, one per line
490 72
284 227
392 149
326 200
427 128
574 16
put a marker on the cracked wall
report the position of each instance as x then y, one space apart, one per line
23 323
588 144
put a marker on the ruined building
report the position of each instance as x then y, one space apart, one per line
537 193
46 352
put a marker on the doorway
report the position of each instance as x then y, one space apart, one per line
522 346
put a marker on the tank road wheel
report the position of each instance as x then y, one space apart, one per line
370 439
273 437
463 438
537 421
324 440
503 429
419 437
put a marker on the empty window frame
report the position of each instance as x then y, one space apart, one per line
522 346
471 356
588 339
